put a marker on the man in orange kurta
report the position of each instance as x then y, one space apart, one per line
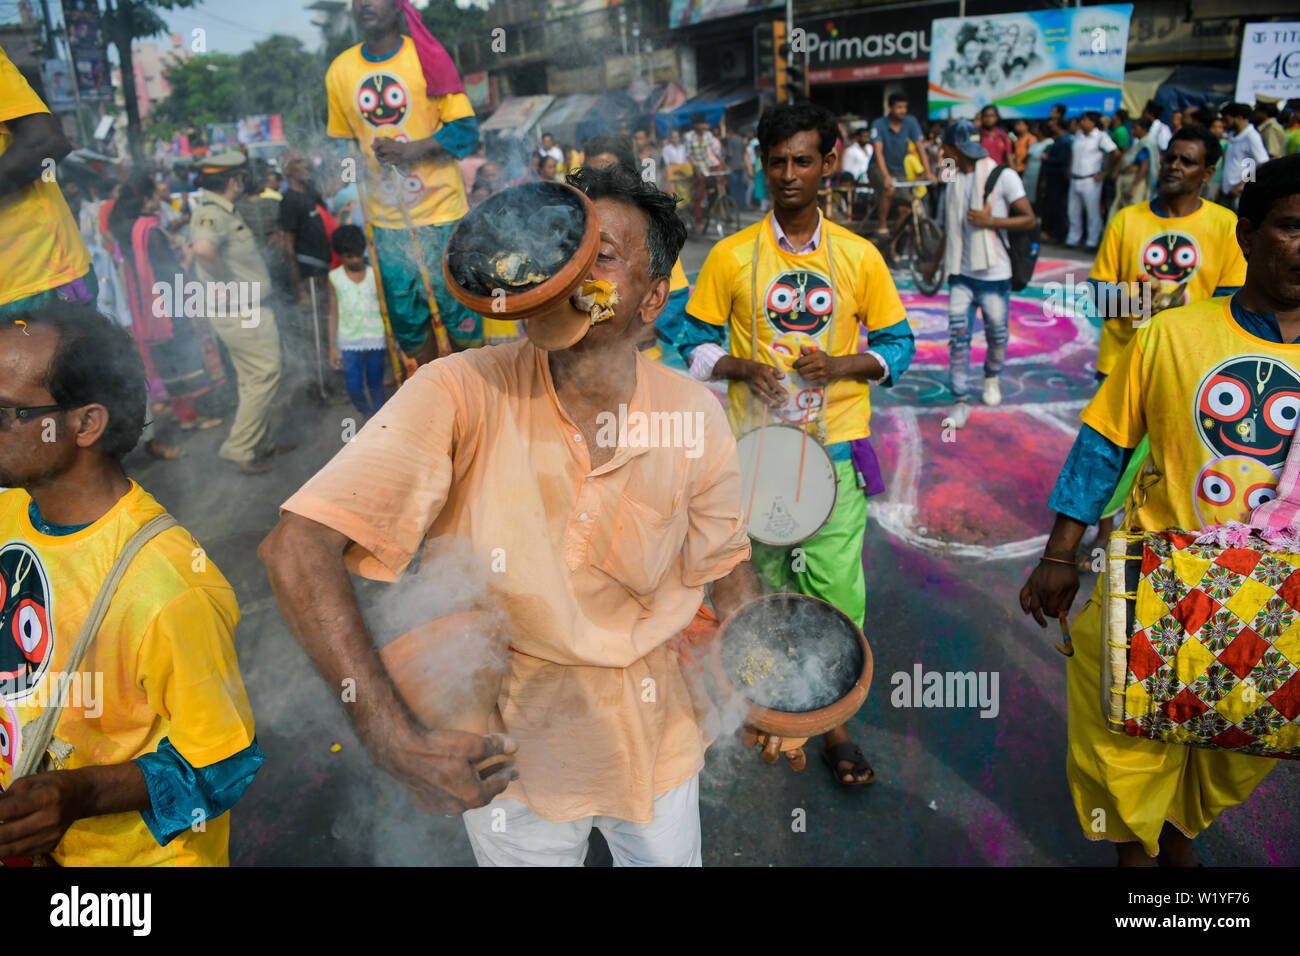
610 533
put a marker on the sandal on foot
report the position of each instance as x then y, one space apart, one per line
848 752
160 452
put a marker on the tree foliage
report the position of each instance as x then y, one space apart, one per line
276 76
204 89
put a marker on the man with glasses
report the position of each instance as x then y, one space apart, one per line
156 733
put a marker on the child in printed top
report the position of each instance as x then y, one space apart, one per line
356 325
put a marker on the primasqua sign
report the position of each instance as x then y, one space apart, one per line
843 49
1023 63
1270 62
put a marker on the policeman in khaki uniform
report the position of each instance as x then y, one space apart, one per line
226 251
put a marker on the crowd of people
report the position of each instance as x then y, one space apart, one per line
622 559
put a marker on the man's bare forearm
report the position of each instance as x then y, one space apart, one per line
735 590
304 560
116 788
36 138
1063 542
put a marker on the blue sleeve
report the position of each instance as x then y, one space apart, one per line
669 323
459 137
914 130
1141 155
181 795
1090 476
1220 290
694 333
896 345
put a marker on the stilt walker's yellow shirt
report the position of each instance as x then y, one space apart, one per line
1200 249
162 665
370 100
796 302
42 246
1220 407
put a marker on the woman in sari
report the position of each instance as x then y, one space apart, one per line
177 349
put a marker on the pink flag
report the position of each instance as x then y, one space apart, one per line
440 74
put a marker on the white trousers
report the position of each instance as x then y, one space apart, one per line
507 833
1085 199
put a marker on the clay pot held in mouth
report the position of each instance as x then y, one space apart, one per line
823 634
552 231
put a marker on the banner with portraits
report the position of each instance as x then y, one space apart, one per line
1024 63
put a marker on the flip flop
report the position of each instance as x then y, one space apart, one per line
200 424
847 751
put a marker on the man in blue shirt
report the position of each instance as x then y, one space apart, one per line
891 135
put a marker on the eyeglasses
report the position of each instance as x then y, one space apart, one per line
8 415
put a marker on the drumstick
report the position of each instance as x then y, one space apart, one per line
803 446
1067 646
485 766
757 458
803 450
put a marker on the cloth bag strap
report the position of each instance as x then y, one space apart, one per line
38 734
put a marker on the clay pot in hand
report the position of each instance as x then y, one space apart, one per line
818 634
449 671
521 254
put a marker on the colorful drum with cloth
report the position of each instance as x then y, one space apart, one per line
1202 643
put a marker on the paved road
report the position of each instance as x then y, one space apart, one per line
948 546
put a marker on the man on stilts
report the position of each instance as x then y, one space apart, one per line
401 100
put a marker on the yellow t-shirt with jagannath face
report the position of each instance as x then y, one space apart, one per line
1199 252
161 665
373 99
803 303
1219 405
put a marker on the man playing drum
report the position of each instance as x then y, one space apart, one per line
1179 243
804 287
607 546
1214 387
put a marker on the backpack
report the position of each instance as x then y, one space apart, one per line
1021 245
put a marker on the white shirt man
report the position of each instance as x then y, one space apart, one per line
857 160
1087 160
1161 134
1008 188
1245 153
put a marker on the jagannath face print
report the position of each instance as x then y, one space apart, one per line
1229 489
382 99
1171 257
26 635
1249 405
797 306
10 737
799 301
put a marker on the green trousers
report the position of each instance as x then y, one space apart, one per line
408 306
1118 499
829 564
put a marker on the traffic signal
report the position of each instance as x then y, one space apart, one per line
781 50
796 80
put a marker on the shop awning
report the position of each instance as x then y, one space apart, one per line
518 115
561 120
712 103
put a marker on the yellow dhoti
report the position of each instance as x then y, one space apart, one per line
1126 788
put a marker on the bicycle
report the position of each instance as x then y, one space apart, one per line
720 211
916 241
